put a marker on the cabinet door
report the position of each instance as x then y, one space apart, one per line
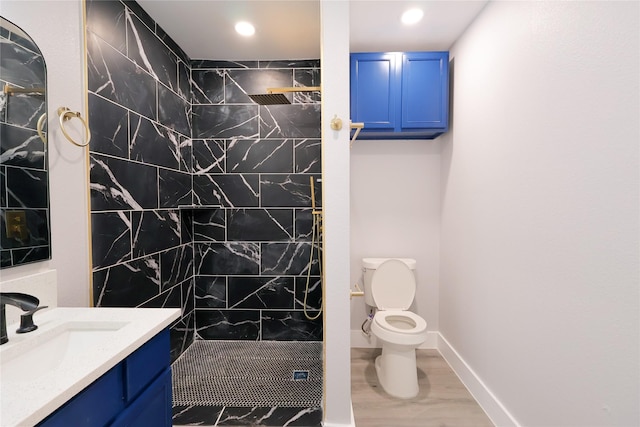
375 83
152 407
425 90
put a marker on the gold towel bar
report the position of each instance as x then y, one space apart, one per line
11 90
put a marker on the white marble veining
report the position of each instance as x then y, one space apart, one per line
28 399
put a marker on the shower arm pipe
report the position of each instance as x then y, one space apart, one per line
10 90
293 89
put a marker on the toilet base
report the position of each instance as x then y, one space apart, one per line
397 371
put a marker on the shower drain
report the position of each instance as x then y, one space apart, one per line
256 373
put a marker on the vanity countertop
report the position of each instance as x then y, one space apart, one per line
80 344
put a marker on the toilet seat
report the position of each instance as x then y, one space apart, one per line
399 321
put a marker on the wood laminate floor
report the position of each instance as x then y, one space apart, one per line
443 400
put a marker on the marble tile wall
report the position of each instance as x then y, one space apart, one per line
169 132
252 255
140 164
24 183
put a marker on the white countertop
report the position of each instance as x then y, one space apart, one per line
32 398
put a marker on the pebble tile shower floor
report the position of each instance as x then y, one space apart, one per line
248 383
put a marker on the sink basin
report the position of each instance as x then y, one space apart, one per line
44 353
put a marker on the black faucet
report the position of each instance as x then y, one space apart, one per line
26 303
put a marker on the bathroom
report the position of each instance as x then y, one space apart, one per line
526 248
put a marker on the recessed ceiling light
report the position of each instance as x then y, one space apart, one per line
245 29
412 16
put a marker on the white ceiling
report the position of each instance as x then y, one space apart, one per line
290 29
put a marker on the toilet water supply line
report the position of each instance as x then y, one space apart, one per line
316 228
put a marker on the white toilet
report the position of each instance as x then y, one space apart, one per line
390 286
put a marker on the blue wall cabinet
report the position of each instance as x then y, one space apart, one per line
400 95
135 392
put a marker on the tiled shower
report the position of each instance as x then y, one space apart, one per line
200 198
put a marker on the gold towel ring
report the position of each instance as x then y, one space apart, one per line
66 114
41 122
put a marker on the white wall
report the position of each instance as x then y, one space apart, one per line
395 212
56 27
539 288
335 206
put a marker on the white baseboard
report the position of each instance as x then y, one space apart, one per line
352 424
496 411
360 340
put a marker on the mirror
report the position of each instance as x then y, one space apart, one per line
24 178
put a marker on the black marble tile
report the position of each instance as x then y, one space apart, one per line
29 255
110 238
176 265
188 296
226 258
181 335
173 111
307 77
225 121
31 75
308 156
106 20
37 222
117 184
295 63
206 63
271 416
5 259
154 231
174 188
261 292
288 258
186 155
171 44
114 76
209 225
227 190
309 290
171 298
3 186
207 86
25 110
241 83
211 291
304 225
259 224
288 190
27 188
127 285
21 147
290 121
153 144
186 226
109 124
196 415
184 81
228 324
260 155
140 13
291 326
208 156
25 42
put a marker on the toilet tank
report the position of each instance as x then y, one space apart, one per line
369 265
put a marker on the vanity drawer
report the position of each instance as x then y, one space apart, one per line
146 363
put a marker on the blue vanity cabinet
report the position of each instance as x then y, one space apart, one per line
400 95
135 392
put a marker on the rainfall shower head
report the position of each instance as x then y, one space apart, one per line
270 99
275 95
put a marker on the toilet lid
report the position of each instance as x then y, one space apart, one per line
393 286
